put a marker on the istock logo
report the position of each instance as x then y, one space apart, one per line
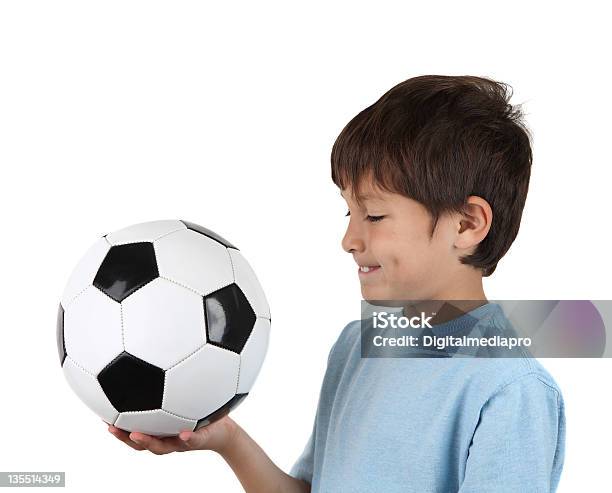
383 320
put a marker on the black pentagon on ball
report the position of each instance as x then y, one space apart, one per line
229 318
132 384
222 411
207 232
61 345
125 269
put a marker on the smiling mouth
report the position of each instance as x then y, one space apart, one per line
367 270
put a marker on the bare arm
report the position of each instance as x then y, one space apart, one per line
256 472
253 468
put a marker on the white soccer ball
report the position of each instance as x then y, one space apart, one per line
162 327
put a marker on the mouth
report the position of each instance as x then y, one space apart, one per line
367 270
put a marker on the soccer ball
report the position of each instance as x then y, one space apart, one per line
162 327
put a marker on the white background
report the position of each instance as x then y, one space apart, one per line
118 112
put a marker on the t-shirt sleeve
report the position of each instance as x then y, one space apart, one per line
519 442
303 467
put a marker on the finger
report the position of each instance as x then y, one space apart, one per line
124 437
174 444
158 446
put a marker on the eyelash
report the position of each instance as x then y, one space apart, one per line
372 219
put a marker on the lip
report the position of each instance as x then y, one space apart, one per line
369 273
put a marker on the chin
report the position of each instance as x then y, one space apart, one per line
372 294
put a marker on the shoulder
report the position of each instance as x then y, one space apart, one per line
521 384
528 373
531 410
520 368
514 368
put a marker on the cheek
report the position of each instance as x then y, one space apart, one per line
403 256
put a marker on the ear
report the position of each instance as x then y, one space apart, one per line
475 222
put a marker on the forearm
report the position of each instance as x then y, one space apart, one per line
254 469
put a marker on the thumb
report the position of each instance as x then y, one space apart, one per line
194 440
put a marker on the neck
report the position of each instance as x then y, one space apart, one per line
465 293
466 284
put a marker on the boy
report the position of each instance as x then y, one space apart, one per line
435 174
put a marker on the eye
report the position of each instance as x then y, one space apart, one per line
372 219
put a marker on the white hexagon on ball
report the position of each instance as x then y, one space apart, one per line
92 330
163 323
202 383
157 422
194 260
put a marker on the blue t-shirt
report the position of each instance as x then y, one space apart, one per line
435 424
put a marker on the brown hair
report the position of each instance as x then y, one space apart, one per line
438 139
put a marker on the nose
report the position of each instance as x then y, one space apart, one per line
353 238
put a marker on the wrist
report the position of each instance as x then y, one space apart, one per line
232 436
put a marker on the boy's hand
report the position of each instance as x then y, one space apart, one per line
216 436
